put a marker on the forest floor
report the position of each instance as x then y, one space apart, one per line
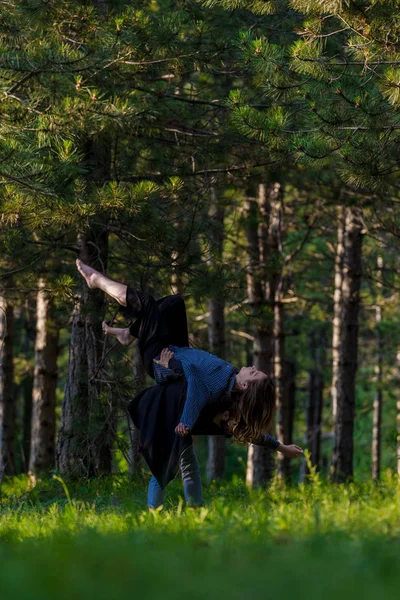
96 540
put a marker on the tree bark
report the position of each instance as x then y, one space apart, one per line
216 443
139 375
314 405
342 464
337 309
87 429
398 414
73 458
7 403
42 453
88 418
264 288
258 458
216 332
27 390
378 400
290 391
284 416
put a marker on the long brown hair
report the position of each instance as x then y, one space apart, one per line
253 410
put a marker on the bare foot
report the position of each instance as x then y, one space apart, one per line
122 335
88 273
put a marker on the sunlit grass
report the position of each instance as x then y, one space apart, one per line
307 540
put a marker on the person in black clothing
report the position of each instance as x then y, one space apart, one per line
157 410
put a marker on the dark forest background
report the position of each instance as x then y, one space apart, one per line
243 154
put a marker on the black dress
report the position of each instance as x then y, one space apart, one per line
156 411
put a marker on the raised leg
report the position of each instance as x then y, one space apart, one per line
123 335
173 310
94 279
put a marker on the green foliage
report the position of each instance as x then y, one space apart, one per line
312 541
336 70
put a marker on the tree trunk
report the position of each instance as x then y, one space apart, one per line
216 333
314 405
42 454
258 458
284 416
216 336
378 400
101 411
7 404
88 418
87 422
73 457
27 391
264 281
398 414
342 464
337 309
290 391
139 375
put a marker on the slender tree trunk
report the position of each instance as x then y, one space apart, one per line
290 391
216 334
88 419
87 423
337 309
101 412
284 409
314 405
139 375
378 400
264 279
27 390
42 455
258 458
398 414
7 401
73 458
342 464
216 443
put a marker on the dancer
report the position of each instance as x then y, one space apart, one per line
202 391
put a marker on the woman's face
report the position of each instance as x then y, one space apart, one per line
247 374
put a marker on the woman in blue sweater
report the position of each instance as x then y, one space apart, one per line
210 386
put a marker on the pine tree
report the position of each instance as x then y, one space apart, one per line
327 77
216 330
342 466
43 428
7 405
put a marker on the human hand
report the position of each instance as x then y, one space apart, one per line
182 430
165 357
291 451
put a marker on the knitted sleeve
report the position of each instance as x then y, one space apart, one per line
162 374
197 397
269 442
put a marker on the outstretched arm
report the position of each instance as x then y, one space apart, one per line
290 450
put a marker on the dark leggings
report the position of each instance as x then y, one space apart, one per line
158 323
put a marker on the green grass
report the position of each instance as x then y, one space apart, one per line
308 541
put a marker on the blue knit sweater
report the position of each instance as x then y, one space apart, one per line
208 378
